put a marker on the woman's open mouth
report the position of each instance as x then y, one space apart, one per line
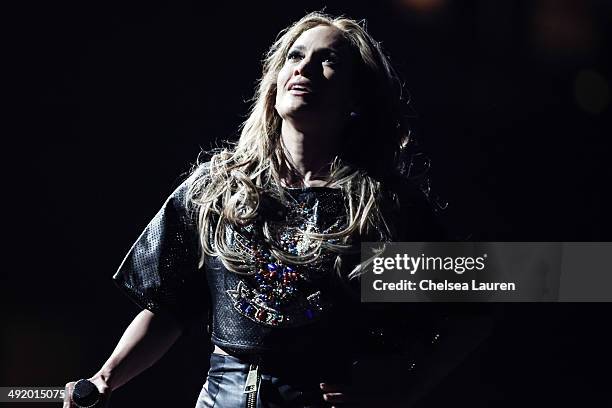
299 89
299 92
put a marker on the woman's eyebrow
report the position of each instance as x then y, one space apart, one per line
328 50
324 49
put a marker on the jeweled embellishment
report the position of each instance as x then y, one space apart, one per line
246 302
277 294
250 303
278 297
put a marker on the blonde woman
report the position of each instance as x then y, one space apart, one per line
262 239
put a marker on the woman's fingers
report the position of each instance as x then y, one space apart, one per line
332 387
67 393
337 393
346 396
335 397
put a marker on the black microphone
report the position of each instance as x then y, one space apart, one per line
85 394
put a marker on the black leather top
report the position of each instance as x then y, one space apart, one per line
160 273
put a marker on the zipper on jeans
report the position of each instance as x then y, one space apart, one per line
251 386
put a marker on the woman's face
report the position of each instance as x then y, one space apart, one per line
314 85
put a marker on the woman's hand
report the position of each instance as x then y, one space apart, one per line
145 340
100 384
337 394
347 396
340 396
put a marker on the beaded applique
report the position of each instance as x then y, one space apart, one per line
286 295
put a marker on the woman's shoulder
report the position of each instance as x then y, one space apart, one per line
190 179
198 171
186 187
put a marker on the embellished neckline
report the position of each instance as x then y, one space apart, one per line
279 293
312 188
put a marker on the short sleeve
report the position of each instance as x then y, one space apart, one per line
160 272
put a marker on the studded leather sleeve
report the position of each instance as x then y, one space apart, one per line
160 272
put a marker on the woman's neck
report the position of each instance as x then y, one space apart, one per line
311 153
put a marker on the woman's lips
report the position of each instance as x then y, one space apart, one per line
300 92
300 88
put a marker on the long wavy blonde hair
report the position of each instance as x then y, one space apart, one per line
229 193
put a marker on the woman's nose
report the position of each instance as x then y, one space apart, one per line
304 68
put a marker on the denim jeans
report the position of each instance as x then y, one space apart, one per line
285 383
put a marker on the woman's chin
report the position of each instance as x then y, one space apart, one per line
303 108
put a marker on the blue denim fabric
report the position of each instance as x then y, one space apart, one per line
295 385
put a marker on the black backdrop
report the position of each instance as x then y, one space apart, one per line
114 100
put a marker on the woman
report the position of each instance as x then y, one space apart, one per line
264 237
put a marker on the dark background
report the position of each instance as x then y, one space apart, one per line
113 101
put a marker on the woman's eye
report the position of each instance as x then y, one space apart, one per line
330 60
294 55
